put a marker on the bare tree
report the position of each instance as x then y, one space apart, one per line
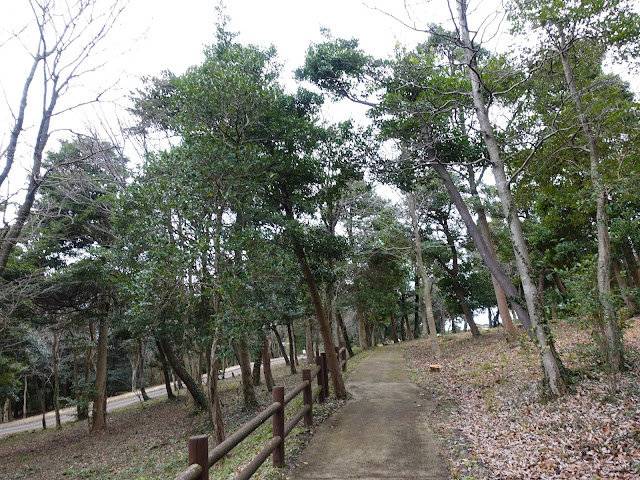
67 33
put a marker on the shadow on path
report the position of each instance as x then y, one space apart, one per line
383 432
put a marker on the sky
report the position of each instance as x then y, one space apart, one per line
156 35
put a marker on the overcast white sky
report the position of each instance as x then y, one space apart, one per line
156 35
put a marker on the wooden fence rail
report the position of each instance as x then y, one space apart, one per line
201 459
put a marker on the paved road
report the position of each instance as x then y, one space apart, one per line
113 403
383 432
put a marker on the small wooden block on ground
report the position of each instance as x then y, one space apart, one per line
435 367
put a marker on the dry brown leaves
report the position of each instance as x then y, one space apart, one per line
497 410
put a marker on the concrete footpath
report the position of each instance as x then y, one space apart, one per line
383 432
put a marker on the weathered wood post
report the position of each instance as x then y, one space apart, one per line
321 395
199 453
325 374
307 397
278 427
343 355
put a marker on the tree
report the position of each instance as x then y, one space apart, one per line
66 37
416 116
594 27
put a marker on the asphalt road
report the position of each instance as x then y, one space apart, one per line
113 403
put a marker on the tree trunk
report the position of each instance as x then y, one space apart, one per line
215 410
541 279
56 380
184 376
468 314
501 298
165 371
143 351
244 360
24 399
330 307
134 360
416 310
547 350
283 351
559 284
83 407
323 323
394 330
257 369
622 284
613 336
408 326
426 281
309 341
266 360
362 330
99 418
76 376
292 363
41 398
631 260
345 334
552 366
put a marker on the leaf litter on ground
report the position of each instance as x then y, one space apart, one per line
499 425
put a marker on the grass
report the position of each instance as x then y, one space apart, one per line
149 441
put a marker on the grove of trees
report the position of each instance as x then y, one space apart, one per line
248 217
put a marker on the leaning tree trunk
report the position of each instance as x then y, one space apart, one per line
345 334
196 394
426 281
323 323
550 360
283 351
316 299
468 314
501 298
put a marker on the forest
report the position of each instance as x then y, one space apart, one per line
488 187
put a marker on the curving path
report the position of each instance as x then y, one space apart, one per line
383 432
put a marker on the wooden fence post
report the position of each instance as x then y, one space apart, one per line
278 427
307 397
325 374
321 395
199 453
343 347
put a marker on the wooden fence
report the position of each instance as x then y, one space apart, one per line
201 459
